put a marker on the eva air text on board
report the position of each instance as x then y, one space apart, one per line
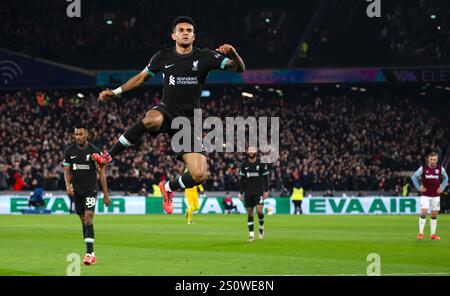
11 204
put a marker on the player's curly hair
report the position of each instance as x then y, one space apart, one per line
182 19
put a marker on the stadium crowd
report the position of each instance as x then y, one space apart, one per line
124 34
419 30
327 142
412 32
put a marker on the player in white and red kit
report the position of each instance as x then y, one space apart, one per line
430 179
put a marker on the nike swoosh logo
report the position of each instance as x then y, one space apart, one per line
168 66
72 157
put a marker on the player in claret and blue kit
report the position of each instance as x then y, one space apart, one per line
431 180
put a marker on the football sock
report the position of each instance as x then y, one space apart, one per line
89 240
422 221
189 213
261 221
182 182
250 225
433 224
131 136
84 230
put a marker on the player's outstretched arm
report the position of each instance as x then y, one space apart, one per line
235 63
132 83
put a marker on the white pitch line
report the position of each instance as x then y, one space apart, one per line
361 274
418 273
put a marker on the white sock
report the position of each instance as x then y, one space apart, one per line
422 222
251 233
92 254
167 187
433 224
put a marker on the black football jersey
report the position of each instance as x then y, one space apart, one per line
254 177
84 171
184 75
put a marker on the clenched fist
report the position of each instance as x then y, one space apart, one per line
106 95
227 49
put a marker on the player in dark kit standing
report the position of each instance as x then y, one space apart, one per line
254 190
433 180
184 70
80 174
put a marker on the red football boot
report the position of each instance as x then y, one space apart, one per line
102 159
88 260
420 236
435 237
168 196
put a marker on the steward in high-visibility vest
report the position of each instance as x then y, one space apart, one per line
405 190
297 198
156 190
297 193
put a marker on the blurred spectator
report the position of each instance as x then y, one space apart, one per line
445 200
228 204
37 199
19 184
328 194
3 177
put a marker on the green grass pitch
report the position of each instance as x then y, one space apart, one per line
217 245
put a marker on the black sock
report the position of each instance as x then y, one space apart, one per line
131 136
89 238
84 231
250 224
187 181
261 220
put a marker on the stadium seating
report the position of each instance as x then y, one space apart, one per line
124 35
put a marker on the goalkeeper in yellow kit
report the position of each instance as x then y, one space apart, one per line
192 200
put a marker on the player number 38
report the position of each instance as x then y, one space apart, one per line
90 201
